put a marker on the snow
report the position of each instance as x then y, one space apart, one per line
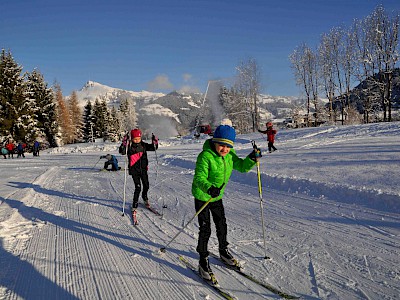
157 109
331 203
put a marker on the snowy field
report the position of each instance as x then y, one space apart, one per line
331 199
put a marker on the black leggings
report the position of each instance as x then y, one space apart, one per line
218 213
138 180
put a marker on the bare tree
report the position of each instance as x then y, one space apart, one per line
386 40
305 67
76 117
64 118
377 40
327 61
248 86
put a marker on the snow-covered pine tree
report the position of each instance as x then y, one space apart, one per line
45 114
11 96
88 121
127 116
114 127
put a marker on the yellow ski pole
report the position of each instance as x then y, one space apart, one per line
261 200
163 249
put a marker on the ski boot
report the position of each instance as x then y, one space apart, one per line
205 270
146 202
228 259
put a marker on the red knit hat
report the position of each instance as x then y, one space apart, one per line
135 133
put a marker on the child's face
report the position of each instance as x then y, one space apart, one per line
222 149
137 140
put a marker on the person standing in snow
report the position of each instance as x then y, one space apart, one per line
20 150
36 146
270 132
214 166
139 164
4 152
111 161
122 147
11 148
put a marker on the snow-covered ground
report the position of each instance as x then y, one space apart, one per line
331 202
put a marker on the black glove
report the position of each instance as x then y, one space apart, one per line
102 157
214 191
154 139
255 154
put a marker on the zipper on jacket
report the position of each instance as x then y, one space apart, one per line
224 168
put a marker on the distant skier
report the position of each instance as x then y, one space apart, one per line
36 146
270 132
21 149
122 147
111 161
4 152
214 166
11 149
139 164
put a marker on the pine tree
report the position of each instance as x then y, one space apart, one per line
88 122
11 96
44 110
115 127
98 119
127 116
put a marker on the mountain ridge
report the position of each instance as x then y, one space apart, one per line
180 110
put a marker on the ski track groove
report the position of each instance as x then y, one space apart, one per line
159 232
125 267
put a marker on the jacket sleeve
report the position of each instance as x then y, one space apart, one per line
242 165
150 147
262 131
200 178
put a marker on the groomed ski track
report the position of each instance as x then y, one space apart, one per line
93 252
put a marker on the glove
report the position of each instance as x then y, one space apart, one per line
102 157
255 154
154 139
214 191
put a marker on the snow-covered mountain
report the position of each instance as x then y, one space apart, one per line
93 90
175 111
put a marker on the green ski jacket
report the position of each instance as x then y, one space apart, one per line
215 170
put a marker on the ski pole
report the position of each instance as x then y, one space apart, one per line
262 135
126 170
155 151
179 232
96 163
261 201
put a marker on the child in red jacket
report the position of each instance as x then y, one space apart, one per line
270 132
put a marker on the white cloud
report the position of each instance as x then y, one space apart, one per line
189 89
160 82
187 77
189 85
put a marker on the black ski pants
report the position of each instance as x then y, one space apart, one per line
271 146
138 180
216 209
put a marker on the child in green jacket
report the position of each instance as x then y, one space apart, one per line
214 166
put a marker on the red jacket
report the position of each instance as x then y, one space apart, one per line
10 147
270 134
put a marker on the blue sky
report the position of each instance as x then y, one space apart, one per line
165 45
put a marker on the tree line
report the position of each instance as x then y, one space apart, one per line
366 52
31 110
